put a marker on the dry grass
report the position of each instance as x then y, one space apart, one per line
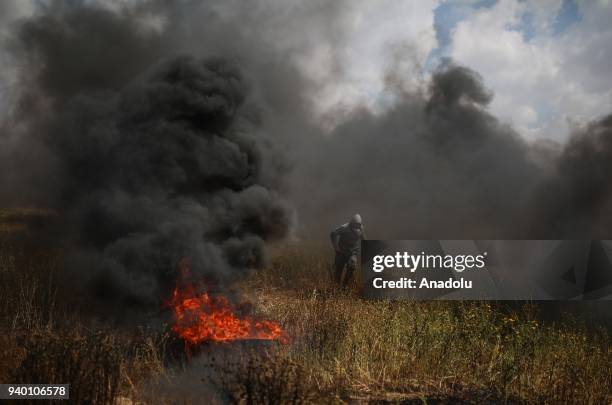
44 340
23 219
95 364
273 377
342 347
463 350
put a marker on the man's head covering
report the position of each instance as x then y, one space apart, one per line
356 219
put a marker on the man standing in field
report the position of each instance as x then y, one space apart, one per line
346 240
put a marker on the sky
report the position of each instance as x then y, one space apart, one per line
546 61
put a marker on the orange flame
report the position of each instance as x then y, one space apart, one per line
200 317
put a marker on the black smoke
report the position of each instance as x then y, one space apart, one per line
438 165
147 158
576 202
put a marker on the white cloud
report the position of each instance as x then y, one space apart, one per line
543 83
377 34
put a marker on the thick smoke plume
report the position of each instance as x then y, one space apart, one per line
147 163
438 165
577 201
150 156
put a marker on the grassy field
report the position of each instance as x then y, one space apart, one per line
342 348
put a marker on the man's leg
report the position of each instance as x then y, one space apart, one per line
351 263
339 264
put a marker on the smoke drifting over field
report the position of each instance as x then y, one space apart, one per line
439 166
161 131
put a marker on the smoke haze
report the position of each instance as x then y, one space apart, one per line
437 165
160 131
